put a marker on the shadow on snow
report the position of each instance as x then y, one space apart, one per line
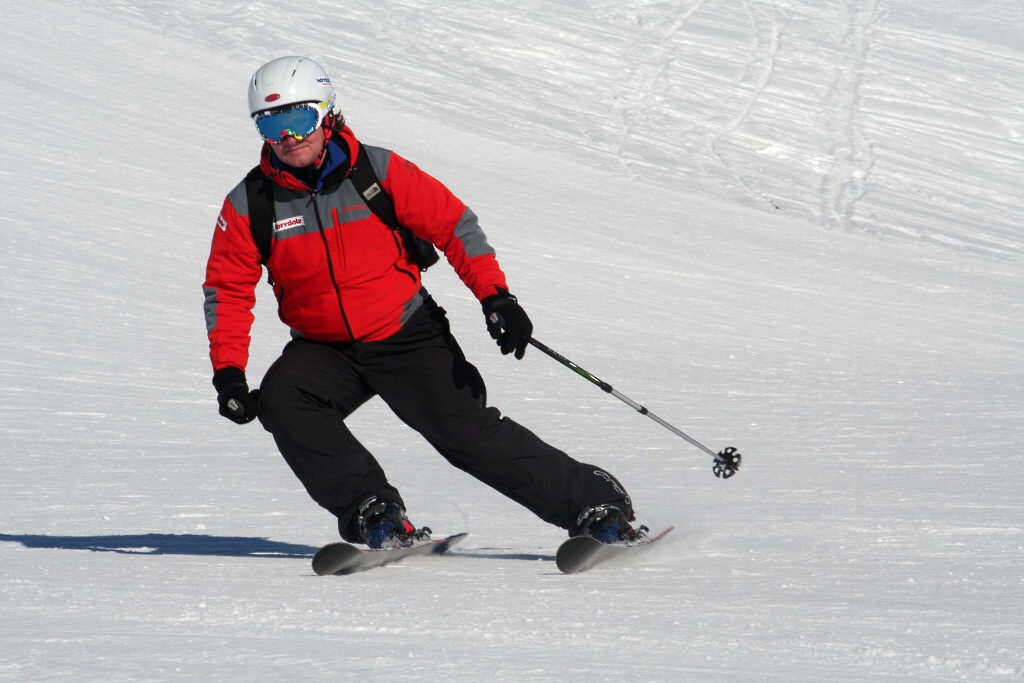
225 546
502 554
167 544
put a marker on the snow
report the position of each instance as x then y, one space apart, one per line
791 226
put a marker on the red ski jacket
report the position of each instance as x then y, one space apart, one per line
339 273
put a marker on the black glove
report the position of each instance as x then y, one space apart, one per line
237 403
508 323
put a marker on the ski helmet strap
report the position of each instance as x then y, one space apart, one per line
330 123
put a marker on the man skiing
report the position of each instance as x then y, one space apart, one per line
363 326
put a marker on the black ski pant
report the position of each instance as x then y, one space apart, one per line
423 376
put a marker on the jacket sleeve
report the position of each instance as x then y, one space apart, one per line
433 212
232 273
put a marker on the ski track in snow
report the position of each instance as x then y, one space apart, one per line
758 73
844 183
805 107
791 226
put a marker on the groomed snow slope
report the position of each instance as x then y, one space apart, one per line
793 227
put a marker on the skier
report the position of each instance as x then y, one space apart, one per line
363 325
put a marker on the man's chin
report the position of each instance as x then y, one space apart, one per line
296 158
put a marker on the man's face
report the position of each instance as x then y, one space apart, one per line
300 153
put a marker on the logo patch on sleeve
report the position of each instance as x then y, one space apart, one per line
288 224
222 222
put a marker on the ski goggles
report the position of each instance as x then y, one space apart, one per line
297 121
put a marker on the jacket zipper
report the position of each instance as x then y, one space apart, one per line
401 250
330 264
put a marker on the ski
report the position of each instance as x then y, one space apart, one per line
583 552
341 558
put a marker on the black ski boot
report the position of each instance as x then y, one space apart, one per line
384 525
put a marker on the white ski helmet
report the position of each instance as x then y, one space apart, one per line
290 80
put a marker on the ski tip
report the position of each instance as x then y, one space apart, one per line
334 556
581 553
342 558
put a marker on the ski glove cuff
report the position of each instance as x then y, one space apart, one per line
507 323
237 403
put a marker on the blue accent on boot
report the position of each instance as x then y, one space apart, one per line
607 524
380 533
611 532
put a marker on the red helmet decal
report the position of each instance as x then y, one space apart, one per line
272 97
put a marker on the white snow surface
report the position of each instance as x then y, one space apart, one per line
790 226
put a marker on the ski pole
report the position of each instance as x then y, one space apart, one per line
727 461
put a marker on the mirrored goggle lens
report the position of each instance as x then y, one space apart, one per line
297 122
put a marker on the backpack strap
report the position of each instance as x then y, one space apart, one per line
259 191
365 180
367 184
